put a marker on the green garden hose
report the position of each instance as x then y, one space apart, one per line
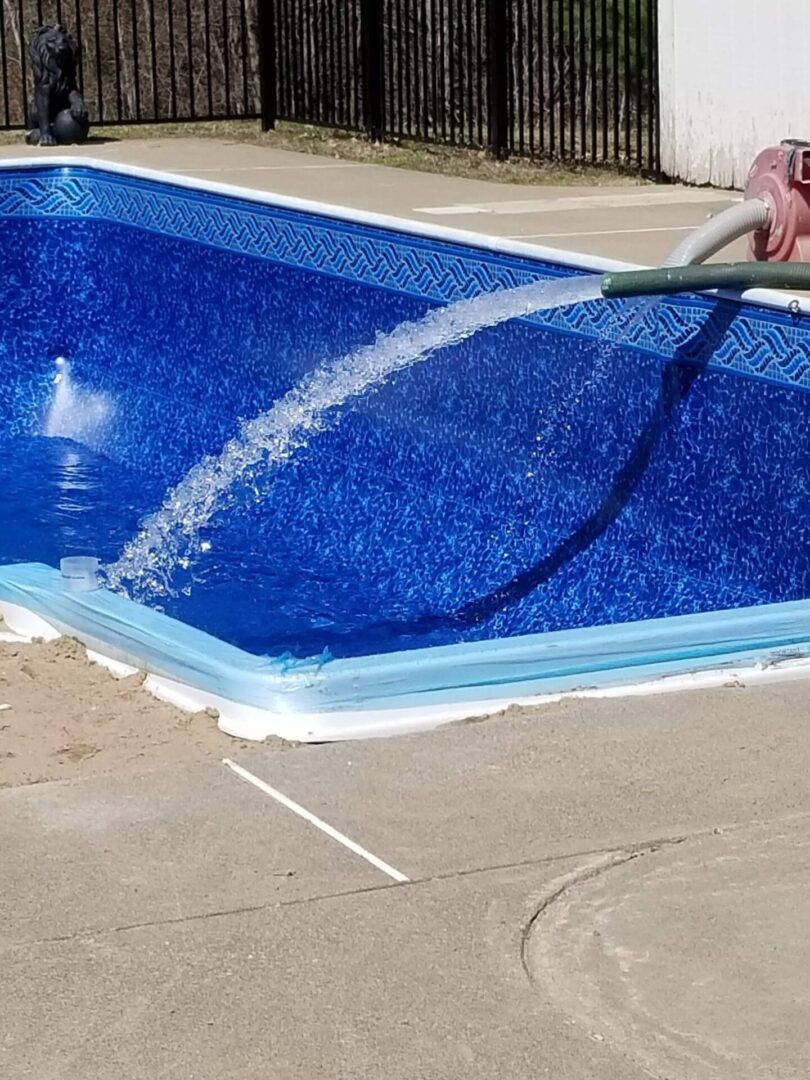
677 279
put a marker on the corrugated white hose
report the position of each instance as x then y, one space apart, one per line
739 220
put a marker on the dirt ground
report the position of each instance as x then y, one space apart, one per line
64 716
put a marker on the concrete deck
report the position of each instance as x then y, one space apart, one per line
638 223
601 890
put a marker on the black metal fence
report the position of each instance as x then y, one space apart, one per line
570 80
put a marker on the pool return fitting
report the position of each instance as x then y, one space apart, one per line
774 214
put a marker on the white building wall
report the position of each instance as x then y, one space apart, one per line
735 77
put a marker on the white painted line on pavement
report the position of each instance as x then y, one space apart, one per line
601 232
608 201
316 821
194 170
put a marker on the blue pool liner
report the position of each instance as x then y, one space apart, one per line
592 657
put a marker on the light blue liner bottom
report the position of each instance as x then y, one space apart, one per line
326 693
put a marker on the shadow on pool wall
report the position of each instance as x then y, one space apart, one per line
677 379
532 479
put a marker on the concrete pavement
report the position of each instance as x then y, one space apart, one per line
639 223
397 982
600 889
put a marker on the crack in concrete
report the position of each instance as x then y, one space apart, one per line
609 860
618 856
193 917
610 857
583 874
589 872
202 916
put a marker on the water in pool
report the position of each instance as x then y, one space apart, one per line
498 489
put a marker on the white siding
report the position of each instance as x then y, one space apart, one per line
735 77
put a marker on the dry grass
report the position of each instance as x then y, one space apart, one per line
303 138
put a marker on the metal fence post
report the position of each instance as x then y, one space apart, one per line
371 54
497 31
266 32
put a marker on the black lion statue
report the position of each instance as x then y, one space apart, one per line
59 114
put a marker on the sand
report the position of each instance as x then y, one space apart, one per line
68 717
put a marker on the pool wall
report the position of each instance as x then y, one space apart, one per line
372 695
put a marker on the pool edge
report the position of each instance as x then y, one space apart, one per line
320 699
769 298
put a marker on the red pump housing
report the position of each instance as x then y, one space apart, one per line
780 176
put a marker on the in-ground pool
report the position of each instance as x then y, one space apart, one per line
587 496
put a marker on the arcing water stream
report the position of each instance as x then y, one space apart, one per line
171 536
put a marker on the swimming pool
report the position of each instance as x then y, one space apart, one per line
581 498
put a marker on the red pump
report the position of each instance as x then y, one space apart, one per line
780 177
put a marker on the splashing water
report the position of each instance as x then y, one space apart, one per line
170 537
562 421
75 413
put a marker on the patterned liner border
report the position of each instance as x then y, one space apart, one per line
757 342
